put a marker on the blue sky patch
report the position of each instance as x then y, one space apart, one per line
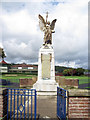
54 3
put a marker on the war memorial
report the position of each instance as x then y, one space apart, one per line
46 67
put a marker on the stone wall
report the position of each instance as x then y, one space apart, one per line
79 104
27 82
67 82
3 103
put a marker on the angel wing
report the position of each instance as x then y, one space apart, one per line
52 26
42 22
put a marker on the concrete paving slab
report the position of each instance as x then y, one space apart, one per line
47 107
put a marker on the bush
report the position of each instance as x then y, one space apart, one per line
73 72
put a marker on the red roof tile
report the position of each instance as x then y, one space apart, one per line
3 62
23 65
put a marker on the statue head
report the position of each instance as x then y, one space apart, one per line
48 22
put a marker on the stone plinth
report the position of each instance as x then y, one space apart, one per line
45 85
46 70
46 53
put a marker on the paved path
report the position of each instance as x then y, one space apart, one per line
83 86
46 107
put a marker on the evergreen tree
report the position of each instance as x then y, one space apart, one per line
2 53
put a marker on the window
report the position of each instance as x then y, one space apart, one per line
19 67
30 67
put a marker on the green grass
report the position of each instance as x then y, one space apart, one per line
82 79
14 78
4 86
77 77
87 87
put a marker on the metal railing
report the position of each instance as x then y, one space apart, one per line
21 104
61 103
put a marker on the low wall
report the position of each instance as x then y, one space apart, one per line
3 104
67 82
27 82
79 104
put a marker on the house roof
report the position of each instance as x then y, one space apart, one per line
23 65
3 62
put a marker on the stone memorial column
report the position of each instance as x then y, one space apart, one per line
46 68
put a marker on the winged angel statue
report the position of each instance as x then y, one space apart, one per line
47 28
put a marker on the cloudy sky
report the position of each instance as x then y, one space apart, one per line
21 37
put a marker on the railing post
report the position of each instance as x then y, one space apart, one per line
35 106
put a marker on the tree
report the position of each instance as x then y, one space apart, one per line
80 71
67 72
2 53
73 72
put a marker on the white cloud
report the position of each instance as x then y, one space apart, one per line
69 64
20 22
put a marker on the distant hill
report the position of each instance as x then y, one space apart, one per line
60 69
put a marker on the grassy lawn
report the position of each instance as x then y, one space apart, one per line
87 87
14 78
4 86
82 79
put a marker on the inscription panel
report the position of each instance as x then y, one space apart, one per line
46 66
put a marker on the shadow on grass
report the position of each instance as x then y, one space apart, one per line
7 83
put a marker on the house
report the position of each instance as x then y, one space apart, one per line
23 68
3 67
